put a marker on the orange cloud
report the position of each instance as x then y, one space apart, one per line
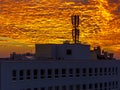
48 21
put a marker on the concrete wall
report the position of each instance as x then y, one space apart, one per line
78 51
43 51
58 51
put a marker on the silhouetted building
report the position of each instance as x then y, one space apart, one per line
61 67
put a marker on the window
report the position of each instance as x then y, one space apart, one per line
105 88
35 88
116 84
42 73
21 74
96 85
116 70
56 87
77 87
63 72
28 89
84 72
56 73
35 73
50 88
14 74
101 71
70 87
49 73
28 74
96 71
42 88
84 86
70 72
90 71
113 84
113 71
77 72
105 71
109 84
68 52
101 85
90 86
109 70
105 84
64 87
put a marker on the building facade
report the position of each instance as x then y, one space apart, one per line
60 75
61 67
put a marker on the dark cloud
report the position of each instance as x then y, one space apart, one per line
117 11
113 1
76 1
114 6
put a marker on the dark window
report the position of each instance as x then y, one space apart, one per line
101 72
68 52
101 85
49 73
56 87
90 71
28 74
28 89
42 88
116 84
77 87
14 74
96 71
35 73
116 70
109 70
105 84
77 72
64 87
113 84
105 88
50 88
70 72
21 74
56 73
109 84
96 85
105 71
63 72
42 73
113 71
90 86
84 86
35 88
84 72
71 87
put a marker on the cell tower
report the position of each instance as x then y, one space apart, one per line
75 30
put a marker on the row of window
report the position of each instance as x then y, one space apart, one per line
56 73
97 86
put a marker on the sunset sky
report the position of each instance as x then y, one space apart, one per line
24 23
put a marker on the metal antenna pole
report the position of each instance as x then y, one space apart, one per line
75 30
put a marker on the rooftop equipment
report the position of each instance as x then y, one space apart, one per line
75 30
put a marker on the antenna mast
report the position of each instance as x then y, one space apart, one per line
75 30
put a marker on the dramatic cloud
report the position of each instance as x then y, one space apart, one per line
48 21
